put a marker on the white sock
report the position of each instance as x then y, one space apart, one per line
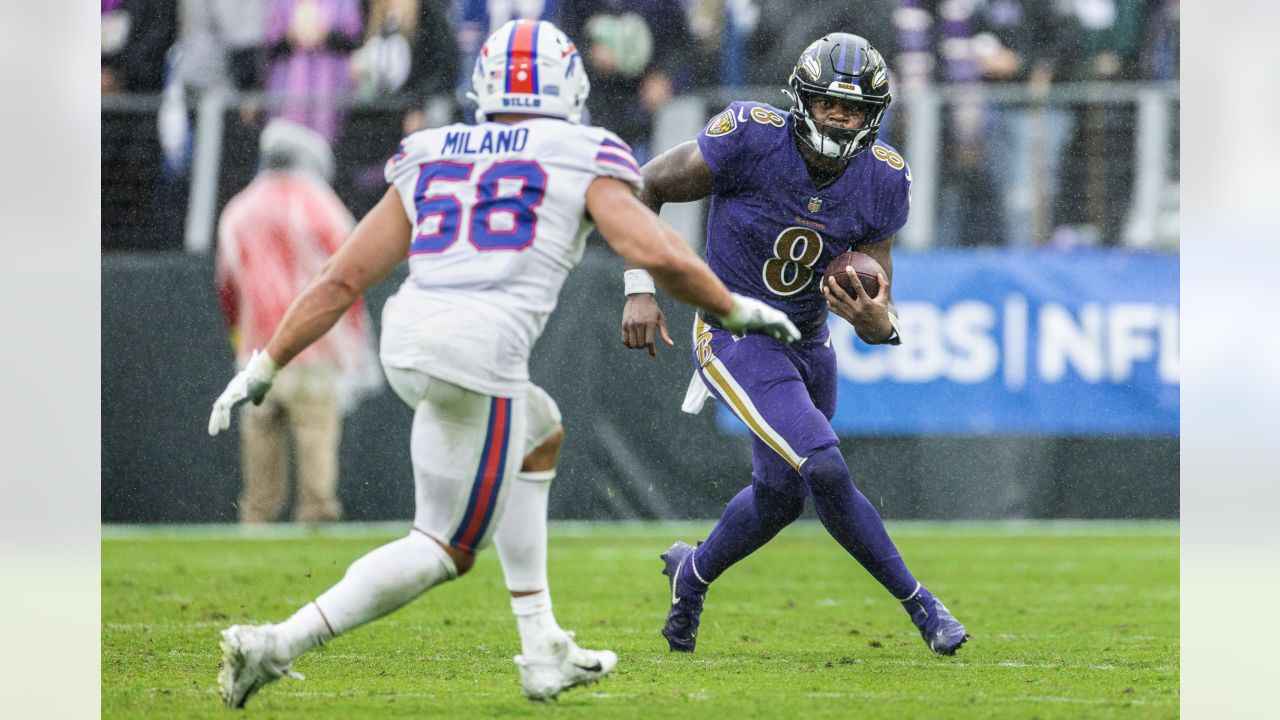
521 541
375 585
538 628
521 536
304 630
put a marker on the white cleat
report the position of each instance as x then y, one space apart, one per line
248 663
543 678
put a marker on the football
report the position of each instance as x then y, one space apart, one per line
864 266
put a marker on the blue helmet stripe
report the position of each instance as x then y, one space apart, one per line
511 43
533 58
844 47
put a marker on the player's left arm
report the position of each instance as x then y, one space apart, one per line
378 244
873 318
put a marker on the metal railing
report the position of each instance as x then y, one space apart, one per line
1142 187
1118 177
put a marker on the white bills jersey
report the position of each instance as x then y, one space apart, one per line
499 220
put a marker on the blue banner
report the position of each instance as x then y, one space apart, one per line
1017 343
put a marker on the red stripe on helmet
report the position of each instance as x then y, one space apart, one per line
520 70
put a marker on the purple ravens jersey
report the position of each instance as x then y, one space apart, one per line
770 231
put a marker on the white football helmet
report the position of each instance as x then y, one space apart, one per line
529 67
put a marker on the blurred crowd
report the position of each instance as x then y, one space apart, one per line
317 62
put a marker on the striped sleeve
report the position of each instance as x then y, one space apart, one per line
413 150
392 168
614 159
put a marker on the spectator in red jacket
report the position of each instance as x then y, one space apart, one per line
273 237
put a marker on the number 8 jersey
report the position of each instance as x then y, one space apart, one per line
770 230
499 219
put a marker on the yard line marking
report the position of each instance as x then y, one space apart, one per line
593 528
1059 699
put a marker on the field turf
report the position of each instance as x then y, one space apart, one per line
1068 621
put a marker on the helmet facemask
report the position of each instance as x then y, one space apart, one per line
835 141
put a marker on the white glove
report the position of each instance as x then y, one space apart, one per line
251 383
749 314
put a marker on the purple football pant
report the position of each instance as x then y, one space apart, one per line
786 395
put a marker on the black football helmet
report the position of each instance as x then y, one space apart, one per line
844 67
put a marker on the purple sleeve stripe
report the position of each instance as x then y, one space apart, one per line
616 144
622 160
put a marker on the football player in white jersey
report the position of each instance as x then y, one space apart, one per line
491 217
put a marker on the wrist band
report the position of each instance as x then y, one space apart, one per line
895 337
636 282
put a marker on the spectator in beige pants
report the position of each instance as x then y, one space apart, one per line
273 237
306 406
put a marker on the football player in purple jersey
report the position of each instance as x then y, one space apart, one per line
789 192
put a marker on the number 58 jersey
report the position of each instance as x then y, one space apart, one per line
499 219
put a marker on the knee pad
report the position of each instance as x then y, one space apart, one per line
826 471
543 418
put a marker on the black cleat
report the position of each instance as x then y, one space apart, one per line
681 629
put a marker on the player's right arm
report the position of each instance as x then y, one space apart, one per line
642 239
377 245
680 174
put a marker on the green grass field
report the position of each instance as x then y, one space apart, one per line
1068 621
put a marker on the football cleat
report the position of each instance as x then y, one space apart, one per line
543 678
248 663
681 629
941 631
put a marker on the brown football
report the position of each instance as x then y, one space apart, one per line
863 265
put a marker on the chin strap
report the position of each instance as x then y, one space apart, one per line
818 141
